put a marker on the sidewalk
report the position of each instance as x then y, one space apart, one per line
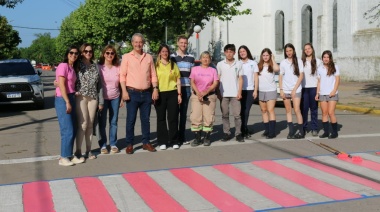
361 97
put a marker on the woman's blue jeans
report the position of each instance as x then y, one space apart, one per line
111 106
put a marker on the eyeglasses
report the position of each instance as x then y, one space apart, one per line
87 51
110 53
75 53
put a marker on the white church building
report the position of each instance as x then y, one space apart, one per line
336 25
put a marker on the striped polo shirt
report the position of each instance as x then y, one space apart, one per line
184 64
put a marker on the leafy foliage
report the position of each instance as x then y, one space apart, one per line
42 50
10 3
102 21
9 39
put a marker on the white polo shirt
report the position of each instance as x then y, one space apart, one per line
267 80
229 78
248 69
327 83
289 80
310 80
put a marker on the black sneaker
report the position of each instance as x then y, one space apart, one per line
298 136
290 136
324 135
240 138
265 134
314 133
226 137
333 135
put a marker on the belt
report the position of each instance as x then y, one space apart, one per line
211 93
138 90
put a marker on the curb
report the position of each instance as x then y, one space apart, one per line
358 109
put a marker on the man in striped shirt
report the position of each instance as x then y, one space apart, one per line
185 62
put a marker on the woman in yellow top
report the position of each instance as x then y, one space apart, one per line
169 86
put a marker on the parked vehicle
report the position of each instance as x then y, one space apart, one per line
38 66
20 83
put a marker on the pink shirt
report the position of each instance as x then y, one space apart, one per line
203 77
110 81
137 73
69 74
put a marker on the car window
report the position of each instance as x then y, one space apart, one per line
8 69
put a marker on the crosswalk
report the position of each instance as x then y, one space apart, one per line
251 186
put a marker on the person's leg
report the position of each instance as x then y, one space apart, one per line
325 120
162 130
145 106
272 118
92 106
208 111
236 106
265 117
113 120
305 100
132 107
186 93
196 119
103 122
334 124
225 115
82 114
297 111
172 110
248 104
288 109
243 116
66 127
313 111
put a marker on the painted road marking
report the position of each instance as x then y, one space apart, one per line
232 142
260 185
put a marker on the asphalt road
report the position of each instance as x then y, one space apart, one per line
30 145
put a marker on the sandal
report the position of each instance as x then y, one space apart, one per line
90 156
114 149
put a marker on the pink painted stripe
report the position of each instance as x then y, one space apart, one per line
94 195
152 193
261 187
221 199
366 163
307 181
37 196
339 173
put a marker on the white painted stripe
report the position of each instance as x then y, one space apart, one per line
29 160
367 156
282 184
348 165
123 194
66 196
11 198
181 192
234 188
329 178
264 140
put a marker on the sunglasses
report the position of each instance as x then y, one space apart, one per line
75 53
110 53
87 51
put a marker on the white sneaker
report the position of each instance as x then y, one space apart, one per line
163 147
175 146
65 162
77 160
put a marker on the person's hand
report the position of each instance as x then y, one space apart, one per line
100 107
317 97
125 96
68 108
293 94
219 96
239 96
179 99
254 95
155 95
77 93
56 84
121 104
273 60
282 94
332 94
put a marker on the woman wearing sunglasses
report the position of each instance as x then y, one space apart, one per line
65 104
110 75
89 97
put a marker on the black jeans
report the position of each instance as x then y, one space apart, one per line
167 116
246 104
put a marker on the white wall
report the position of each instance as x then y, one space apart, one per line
358 41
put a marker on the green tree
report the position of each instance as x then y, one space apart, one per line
10 3
42 49
373 14
102 21
9 39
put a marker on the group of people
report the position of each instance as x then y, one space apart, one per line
87 91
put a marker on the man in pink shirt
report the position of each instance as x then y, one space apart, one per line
137 77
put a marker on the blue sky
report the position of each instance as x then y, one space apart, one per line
46 14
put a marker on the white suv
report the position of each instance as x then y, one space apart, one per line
20 83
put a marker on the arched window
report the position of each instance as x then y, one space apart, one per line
335 26
307 25
279 30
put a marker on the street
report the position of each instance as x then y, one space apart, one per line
259 174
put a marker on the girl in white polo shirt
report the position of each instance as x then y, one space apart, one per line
309 88
291 75
268 91
327 93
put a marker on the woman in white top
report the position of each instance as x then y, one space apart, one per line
309 88
327 93
250 84
291 75
267 91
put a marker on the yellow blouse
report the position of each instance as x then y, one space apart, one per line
167 78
